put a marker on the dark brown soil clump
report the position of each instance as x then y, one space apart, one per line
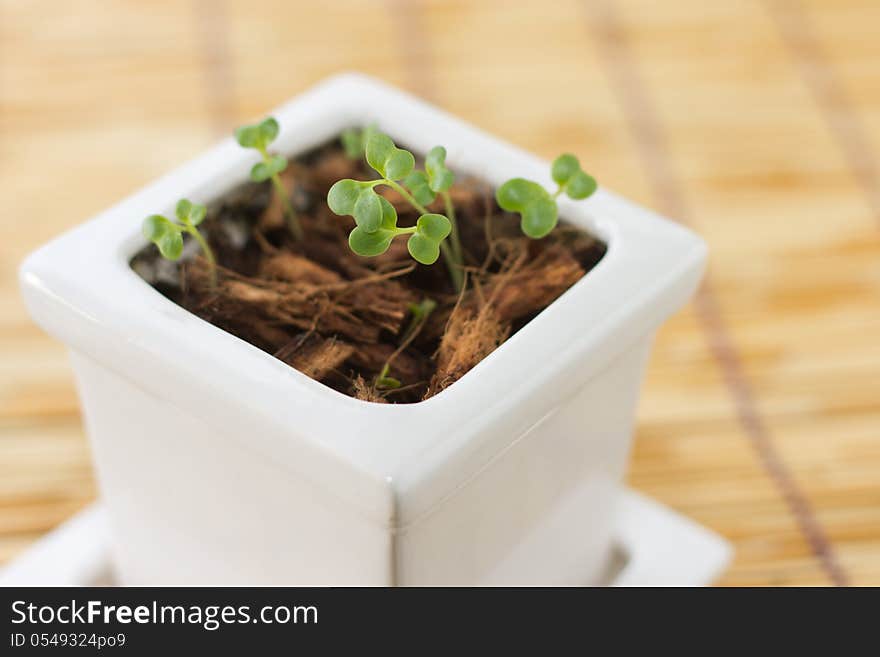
340 318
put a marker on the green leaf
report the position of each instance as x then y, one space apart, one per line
564 167
399 164
539 218
268 130
343 195
417 183
440 178
424 250
384 380
164 234
379 148
570 177
248 136
517 193
422 309
368 211
277 164
424 244
359 199
370 244
197 214
581 186
377 242
537 209
258 135
434 226
260 172
388 382
391 162
353 143
170 245
184 207
155 226
389 214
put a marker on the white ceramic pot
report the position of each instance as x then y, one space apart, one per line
219 464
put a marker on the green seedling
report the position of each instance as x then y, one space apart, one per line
384 381
419 312
258 136
426 185
167 235
536 206
376 219
354 141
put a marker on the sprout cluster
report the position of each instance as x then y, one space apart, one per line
167 235
376 220
375 217
535 205
258 136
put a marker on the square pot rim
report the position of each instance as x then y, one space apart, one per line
81 288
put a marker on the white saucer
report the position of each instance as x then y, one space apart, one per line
654 546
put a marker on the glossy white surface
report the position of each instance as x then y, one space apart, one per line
198 433
653 546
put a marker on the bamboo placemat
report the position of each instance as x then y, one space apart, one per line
755 122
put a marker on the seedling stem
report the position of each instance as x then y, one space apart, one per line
167 235
258 136
420 312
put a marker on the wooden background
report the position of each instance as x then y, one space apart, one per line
756 122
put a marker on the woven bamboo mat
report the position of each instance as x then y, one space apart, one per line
755 122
